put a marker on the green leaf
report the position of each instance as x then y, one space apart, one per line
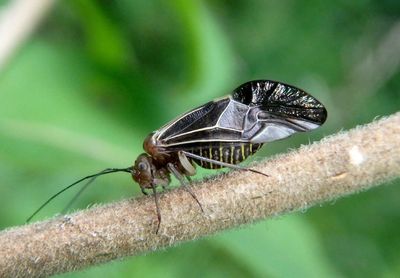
285 247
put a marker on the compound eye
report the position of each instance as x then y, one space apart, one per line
142 166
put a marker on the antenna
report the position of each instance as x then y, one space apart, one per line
91 177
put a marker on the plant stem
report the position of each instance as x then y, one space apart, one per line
338 165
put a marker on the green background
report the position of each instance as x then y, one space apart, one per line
97 76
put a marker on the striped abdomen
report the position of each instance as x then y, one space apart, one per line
232 153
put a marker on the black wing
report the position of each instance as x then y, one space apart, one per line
256 112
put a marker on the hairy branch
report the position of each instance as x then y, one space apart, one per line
338 165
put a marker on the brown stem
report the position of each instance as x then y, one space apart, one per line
341 164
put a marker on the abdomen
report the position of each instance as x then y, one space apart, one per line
231 153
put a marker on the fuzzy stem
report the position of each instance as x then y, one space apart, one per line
339 165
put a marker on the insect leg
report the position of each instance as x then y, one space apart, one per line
182 180
186 164
157 207
224 164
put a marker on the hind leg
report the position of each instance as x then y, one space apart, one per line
183 182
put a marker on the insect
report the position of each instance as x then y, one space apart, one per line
220 133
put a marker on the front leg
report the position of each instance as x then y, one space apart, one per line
157 207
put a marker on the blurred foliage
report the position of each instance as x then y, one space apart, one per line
98 76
